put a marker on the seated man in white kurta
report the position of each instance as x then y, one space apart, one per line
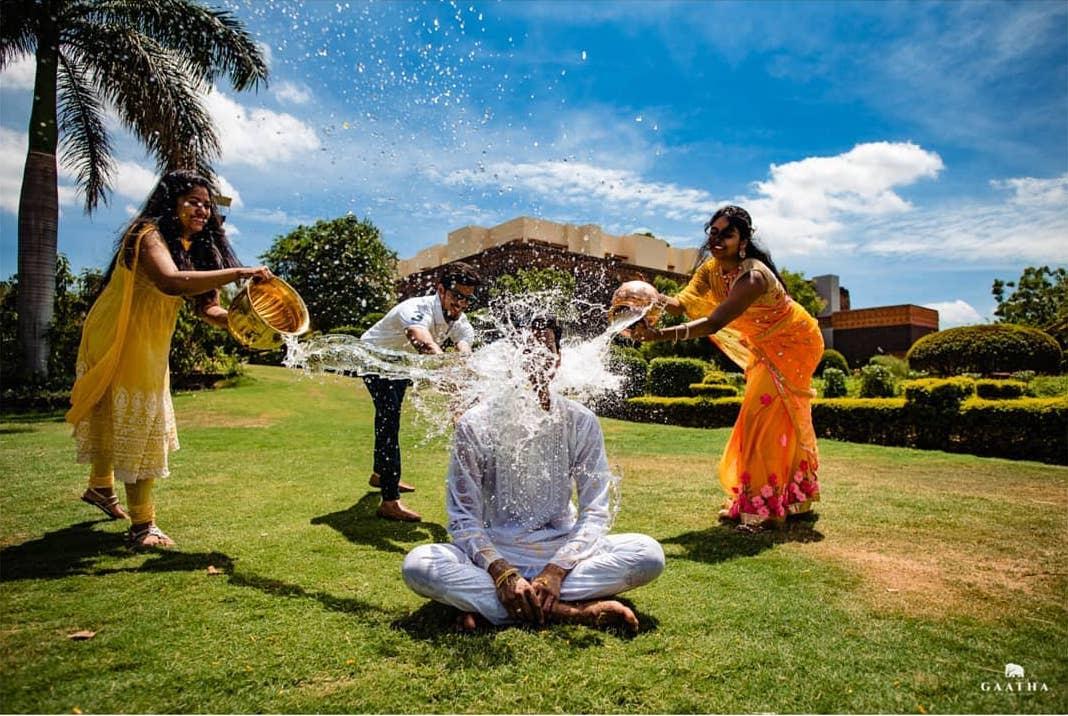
521 551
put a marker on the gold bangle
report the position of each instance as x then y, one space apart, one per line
504 576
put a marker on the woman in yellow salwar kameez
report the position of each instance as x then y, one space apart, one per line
737 298
121 401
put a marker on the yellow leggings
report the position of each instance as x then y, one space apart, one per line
138 494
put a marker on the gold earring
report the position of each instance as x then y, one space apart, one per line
741 253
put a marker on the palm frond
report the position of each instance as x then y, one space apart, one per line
154 93
214 42
18 30
86 148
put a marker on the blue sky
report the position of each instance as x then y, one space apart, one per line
918 150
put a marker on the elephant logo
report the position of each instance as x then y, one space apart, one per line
1014 671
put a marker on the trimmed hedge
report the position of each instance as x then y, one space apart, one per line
832 359
834 384
713 390
1022 429
671 377
690 412
877 381
1000 389
993 348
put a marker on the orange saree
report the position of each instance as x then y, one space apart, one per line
768 470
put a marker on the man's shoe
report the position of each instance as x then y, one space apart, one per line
394 510
376 481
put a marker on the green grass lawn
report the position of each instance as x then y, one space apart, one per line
924 575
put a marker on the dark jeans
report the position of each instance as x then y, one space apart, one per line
387 395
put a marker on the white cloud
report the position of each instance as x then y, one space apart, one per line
258 137
970 231
232 230
292 93
955 313
228 189
1029 191
133 181
20 74
804 203
584 184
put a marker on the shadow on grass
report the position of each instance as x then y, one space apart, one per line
436 623
76 550
278 588
61 553
725 542
360 525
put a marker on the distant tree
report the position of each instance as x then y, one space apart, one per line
149 61
1039 299
558 288
802 291
340 268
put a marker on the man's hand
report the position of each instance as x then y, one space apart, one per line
515 593
547 588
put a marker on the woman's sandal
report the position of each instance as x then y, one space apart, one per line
108 504
150 537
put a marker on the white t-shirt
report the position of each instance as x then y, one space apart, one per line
422 311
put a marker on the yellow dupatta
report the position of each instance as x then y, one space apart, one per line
90 387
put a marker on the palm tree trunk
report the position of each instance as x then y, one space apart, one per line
39 211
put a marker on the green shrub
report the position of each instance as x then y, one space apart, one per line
877 381
715 376
834 383
628 363
1028 428
1048 386
941 395
832 359
994 348
713 390
692 412
1024 375
1000 389
880 421
898 367
673 376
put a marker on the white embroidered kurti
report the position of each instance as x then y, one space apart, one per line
511 478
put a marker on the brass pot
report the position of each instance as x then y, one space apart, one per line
636 296
264 312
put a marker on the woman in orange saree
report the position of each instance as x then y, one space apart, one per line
738 300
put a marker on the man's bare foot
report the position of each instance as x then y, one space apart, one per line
394 510
609 613
376 481
466 621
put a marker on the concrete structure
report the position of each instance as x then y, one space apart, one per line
861 333
598 260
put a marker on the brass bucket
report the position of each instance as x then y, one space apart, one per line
264 312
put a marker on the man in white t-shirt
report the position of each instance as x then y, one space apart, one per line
418 324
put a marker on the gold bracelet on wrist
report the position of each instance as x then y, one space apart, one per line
503 576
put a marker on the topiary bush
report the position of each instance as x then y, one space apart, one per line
834 383
876 381
897 366
672 377
713 390
1000 389
994 348
832 359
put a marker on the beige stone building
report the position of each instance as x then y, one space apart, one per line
588 240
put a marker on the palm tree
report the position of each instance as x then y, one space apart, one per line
150 62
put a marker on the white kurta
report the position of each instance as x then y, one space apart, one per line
511 477
510 484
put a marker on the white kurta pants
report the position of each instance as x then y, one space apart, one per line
443 572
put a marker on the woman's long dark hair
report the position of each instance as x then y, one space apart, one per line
209 250
739 218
